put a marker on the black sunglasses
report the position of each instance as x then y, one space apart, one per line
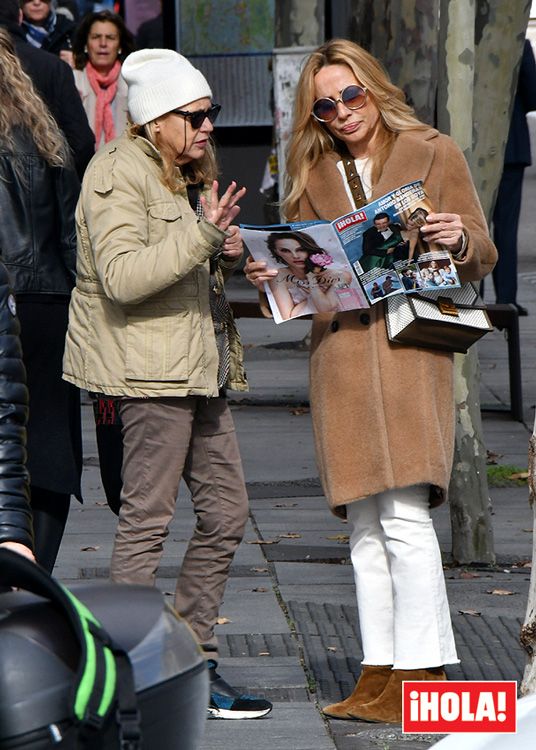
353 97
198 118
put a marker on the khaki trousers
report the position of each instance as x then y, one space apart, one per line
166 439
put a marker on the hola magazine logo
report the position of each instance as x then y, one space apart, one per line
447 707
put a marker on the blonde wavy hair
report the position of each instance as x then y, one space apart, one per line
21 106
203 170
310 139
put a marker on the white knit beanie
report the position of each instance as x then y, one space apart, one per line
160 80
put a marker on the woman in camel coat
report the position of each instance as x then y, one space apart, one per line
382 464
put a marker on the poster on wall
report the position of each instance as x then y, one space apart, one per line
231 42
226 27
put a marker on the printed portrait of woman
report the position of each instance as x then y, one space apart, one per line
413 220
306 282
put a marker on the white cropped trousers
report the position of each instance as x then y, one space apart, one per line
401 595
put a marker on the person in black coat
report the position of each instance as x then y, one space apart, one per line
15 512
38 195
54 82
508 205
48 30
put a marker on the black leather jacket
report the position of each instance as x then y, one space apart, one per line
37 228
15 513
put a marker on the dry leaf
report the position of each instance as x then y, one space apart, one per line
90 548
101 502
472 612
332 648
500 592
290 535
285 505
222 621
341 538
299 411
491 457
264 541
529 530
468 574
260 589
519 475
259 570
263 653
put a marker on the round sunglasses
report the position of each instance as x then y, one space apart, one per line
325 108
197 118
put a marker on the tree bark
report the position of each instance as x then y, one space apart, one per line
528 631
475 97
299 23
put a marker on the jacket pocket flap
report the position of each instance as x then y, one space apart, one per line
165 211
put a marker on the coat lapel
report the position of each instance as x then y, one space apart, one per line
411 159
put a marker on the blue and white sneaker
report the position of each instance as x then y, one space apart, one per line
228 703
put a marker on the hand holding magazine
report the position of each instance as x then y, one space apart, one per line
353 262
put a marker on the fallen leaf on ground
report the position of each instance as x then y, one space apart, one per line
290 535
299 411
263 541
468 574
263 653
491 457
260 589
90 548
339 538
285 505
101 502
520 475
332 648
222 621
529 530
259 570
472 612
500 592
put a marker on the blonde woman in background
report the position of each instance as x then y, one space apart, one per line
38 194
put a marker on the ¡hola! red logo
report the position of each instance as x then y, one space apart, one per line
447 707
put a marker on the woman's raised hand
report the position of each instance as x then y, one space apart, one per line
257 273
445 230
222 211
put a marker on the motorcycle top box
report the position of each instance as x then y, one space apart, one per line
131 675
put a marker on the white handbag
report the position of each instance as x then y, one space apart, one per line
447 319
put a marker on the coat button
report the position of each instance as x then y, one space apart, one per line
364 318
334 326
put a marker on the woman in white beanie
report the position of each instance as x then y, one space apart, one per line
149 325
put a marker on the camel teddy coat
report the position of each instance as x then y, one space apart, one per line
383 413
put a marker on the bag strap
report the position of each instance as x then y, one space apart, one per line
104 671
354 181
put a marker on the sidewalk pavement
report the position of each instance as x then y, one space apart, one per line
290 629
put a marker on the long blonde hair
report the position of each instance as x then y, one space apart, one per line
21 106
203 170
310 139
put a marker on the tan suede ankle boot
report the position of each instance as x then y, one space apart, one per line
387 707
369 686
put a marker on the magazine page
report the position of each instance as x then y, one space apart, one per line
386 250
313 272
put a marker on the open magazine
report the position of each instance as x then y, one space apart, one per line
353 262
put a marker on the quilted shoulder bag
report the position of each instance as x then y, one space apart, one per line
448 320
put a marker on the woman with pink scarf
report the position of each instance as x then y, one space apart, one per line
102 41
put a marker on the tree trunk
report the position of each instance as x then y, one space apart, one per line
470 506
299 23
528 631
475 97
